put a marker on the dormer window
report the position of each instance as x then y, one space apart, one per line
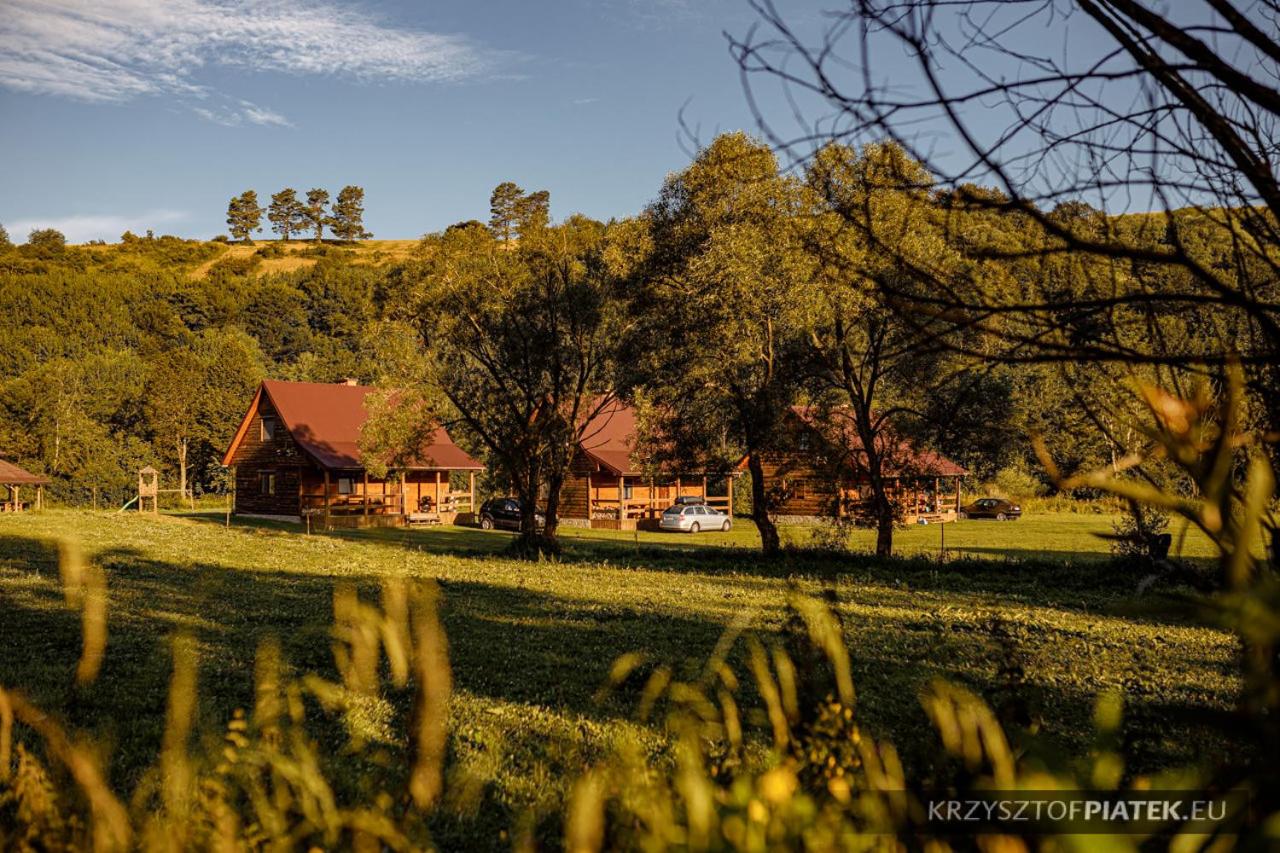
268 428
804 441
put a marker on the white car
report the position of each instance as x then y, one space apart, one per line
694 518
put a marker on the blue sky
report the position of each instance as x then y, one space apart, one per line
136 114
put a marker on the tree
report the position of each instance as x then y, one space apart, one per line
504 210
5 242
244 216
533 213
881 371
347 220
717 314
317 200
520 345
286 213
47 241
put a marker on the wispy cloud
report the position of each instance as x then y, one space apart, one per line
119 50
582 102
82 227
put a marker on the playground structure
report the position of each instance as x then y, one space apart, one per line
148 497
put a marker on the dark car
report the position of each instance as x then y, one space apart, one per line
503 513
997 508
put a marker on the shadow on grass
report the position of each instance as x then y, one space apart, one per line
509 646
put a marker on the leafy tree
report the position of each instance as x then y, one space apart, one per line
880 369
347 220
286 213
317 200
244 216
520 345
717 313
47 241
5 242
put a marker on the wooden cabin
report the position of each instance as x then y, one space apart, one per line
821 473
297 455
609 488
15 479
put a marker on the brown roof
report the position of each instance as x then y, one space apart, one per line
609 439
904 459
12 475
325 420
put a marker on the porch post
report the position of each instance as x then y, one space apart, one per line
17 499
622 497
677 485
366 493
437 491
704 488
653 494
473 493
937 495
40 496
591 497
730 481
326 498
957 495
404 507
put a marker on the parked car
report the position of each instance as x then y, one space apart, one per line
997 508
692 518
503 513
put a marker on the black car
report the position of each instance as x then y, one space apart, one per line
997 508
503 513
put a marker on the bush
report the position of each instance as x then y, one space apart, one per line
1016 481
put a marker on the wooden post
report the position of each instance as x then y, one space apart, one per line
730 480
622 499
404 506
704 488
326 498
957 497
17 499
677 485
40 497
472 489
366 494
438 510
591 498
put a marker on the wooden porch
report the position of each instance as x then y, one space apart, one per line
923 500
346 499
630 503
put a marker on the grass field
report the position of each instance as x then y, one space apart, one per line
364 252
531 643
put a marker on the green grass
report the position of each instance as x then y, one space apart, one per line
531 643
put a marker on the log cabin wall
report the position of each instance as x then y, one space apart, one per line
278 455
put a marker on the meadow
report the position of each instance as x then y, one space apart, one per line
531 643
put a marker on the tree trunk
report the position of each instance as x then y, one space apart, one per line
554 485
885 520
182 469
770 544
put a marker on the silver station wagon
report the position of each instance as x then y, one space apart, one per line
694 518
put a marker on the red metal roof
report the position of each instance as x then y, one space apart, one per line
901 460
12 475
325 420
609 438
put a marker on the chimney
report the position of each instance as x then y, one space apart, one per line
348 381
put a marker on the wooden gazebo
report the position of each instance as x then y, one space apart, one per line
15 479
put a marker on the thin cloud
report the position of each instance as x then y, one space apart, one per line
113 51
83 227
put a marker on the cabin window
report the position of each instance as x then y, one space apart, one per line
800 488
267 482
346 485
268 427
627 491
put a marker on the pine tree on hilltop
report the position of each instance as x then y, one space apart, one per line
504 210
287 213
244 216
314 212
347 220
